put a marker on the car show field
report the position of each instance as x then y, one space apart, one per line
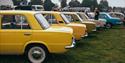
62 31
106 46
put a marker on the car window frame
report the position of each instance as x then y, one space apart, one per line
15 29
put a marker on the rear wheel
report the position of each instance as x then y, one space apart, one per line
36 54
108 25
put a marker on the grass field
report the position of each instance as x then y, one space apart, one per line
107 46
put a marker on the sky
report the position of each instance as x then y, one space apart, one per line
112 3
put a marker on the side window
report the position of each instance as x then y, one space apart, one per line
14 22
50 18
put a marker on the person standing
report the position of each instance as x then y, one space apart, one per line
97 12
124 22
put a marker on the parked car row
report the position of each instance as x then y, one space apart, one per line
108 18
38 33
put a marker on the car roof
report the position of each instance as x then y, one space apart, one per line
104 13
17 12
49 12
116 13
69 12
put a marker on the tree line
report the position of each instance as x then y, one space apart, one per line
48 4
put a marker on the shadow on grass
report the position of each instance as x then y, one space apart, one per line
59 58
52 58
12 59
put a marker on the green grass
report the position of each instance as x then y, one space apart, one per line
107 46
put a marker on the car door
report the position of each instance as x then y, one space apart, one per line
14 33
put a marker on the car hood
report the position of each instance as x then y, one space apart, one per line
60 29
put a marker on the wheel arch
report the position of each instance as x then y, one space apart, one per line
109 23
35 43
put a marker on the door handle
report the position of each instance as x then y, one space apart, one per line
27 34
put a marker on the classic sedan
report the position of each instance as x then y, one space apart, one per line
117 15
28 32
73 17
99 23
110 20
55 19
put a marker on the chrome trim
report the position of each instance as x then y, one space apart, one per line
72 45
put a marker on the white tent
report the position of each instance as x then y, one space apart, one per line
6 3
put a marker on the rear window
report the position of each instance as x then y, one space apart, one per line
43 22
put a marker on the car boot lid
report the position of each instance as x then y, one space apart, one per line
60 29
75 24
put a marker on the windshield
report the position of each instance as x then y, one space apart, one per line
65 18
72 18
44 24
80 19
82 16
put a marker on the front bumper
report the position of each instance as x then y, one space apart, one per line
72 45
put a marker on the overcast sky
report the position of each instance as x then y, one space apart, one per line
112 3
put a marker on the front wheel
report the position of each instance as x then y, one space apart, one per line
36 54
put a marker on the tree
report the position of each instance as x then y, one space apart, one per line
36 2
48 5
17 2
20 2
104 5
90 3
74 3
63 3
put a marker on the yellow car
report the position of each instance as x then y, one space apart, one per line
28 32
55 19
74 18
99 23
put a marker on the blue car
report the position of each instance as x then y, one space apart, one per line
110 20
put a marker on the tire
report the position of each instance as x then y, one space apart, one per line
36 54
108 25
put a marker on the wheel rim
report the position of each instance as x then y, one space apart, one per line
108 26
36 55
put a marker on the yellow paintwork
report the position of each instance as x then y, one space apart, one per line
89 25
79 30
13 41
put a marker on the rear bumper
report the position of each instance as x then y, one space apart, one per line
94 30
72 45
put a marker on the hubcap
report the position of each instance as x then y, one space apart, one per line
108 26
36 55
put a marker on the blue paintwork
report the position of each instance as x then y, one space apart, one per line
112 20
